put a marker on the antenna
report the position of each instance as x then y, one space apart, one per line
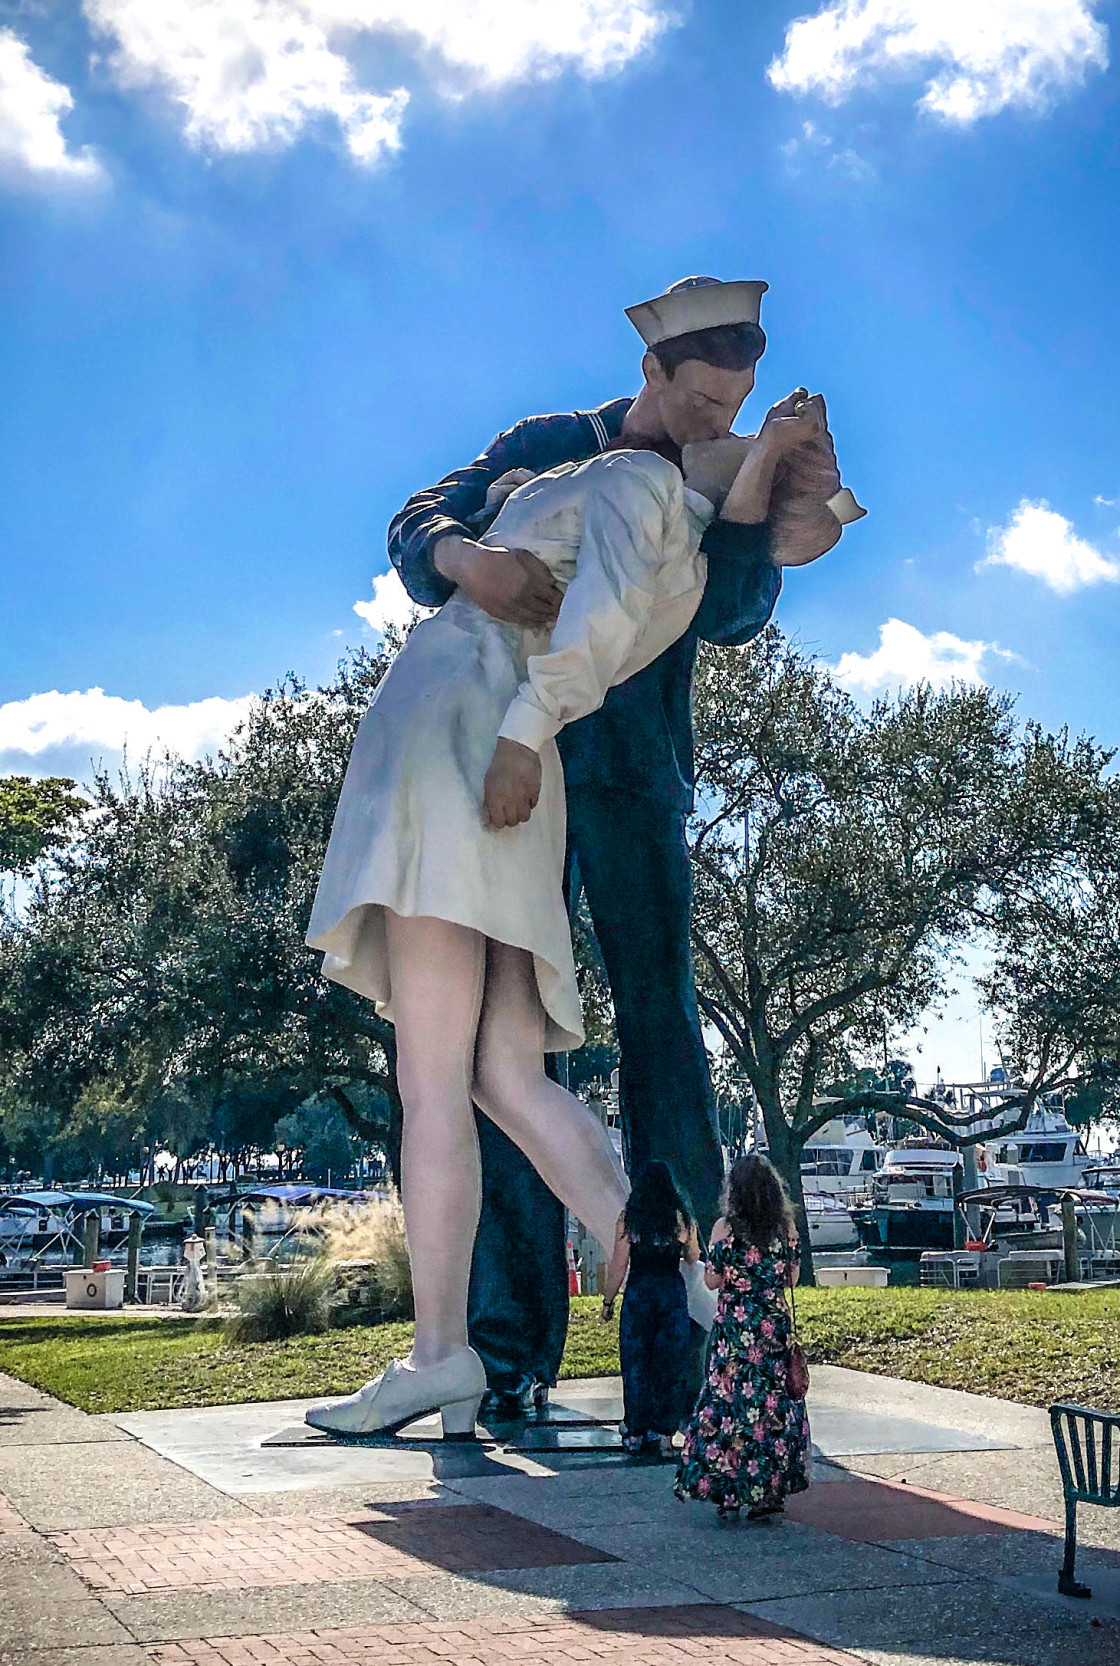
980 1021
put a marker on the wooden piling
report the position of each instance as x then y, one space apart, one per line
91 1237
131 1277
210 1239
1069 1238
960 1224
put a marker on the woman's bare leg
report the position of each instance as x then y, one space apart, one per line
436 971
562 1138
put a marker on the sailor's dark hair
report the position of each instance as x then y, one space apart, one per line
727 346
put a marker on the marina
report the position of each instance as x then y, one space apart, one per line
871 1199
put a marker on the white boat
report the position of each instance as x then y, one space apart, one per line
1104 1176
42 1230
840 1162
910 1206
830 1224
37 1220
1047 1153
1098 1232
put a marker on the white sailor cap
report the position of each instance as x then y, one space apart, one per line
696 304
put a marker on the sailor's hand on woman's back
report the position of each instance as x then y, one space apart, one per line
511 585
512 786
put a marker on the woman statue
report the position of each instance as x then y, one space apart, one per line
441 896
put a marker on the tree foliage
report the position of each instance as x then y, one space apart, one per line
158 989
1055 978
841 856
320 1136
36 819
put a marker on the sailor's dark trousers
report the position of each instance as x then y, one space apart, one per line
631 857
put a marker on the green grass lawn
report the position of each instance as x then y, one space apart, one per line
1028 1346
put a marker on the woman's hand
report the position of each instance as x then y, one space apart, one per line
512 786
794 422
506 484
607 1312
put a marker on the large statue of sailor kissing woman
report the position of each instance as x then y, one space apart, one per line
441 897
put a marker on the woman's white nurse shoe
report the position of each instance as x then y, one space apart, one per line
403 1392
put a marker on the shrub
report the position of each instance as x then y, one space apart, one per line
366 1244
283 1302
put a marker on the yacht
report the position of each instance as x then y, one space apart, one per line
1047 1153
831 1226
840 1162
910 1203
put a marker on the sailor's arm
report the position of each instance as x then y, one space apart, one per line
431 546
743 583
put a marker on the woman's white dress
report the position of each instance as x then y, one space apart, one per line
621 534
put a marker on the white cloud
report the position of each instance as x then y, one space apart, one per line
817 147
501 41
65 731
247 73
906 656
977 57
252 73
32 144
1039 541
392 606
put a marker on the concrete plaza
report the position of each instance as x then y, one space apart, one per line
228 1535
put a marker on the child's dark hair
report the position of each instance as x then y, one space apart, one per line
655 1208
758 1208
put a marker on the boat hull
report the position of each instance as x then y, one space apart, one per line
897 1229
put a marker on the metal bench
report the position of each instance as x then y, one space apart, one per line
1088 1446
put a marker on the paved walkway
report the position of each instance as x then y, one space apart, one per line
228 1536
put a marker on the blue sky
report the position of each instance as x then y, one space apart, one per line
269 265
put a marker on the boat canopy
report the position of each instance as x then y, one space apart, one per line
297 1195
57 1200
1006 1194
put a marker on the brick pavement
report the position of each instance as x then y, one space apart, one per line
396 1541
874 1512
345 1571
698 1635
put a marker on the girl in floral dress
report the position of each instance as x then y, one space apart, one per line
747 1443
